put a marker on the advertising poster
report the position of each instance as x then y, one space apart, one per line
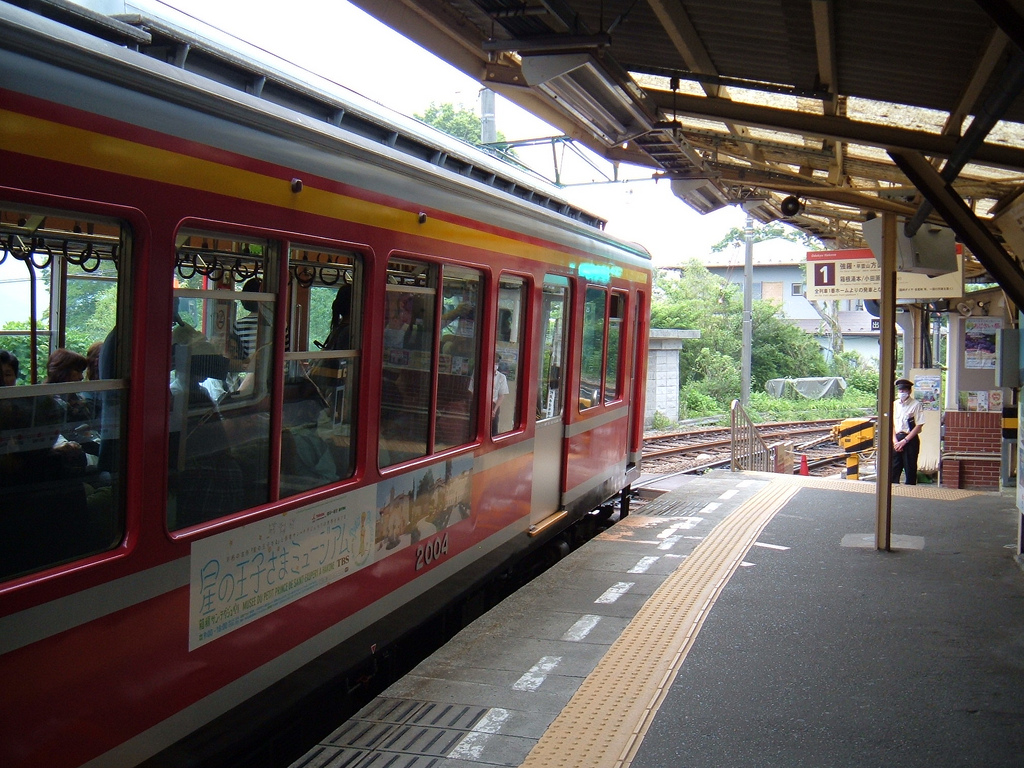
243 574
419 504
928 391
1020 467
980 342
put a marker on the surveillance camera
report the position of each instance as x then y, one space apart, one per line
791 206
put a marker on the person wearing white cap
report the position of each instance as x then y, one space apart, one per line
907 421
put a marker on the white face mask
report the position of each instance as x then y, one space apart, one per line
904 396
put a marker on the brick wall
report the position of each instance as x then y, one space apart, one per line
972 433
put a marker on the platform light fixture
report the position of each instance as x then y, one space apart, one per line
703 195
607 102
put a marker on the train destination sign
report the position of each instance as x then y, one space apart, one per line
855 274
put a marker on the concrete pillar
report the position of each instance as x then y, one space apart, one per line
663 373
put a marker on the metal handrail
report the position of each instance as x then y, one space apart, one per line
749 451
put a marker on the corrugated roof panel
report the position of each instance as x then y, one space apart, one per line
918 52
763 40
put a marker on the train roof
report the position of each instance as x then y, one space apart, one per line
193 46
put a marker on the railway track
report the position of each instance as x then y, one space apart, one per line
697 451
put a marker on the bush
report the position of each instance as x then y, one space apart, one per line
764 407
660 421
863 379
693 402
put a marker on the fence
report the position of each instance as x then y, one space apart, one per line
749 451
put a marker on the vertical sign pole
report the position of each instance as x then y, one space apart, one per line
748 303
886 386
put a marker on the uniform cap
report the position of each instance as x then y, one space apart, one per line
904 384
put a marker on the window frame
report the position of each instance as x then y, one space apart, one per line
598 321
283 240
524 362
352 354
437 272
622 297
274 246
130 241
564 289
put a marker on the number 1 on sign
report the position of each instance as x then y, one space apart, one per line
824 275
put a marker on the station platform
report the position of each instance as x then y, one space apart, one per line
741 619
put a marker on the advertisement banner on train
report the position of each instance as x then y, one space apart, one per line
855 274
240 575
243 574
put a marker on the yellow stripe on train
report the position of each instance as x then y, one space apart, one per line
76 146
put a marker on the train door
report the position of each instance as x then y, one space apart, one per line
548 440
639 386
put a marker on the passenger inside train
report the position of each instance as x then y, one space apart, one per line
58 502
8 369
321 370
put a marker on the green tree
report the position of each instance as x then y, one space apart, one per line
21 347
737 236
696 299
780 349
461 123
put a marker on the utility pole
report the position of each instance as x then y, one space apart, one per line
488 124
748 305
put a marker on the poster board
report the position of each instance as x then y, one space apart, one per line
928 391
980 342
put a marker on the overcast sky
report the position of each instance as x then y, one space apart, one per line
342 43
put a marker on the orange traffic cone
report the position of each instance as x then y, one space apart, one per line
803 465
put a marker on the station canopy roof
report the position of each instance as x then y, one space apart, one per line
853 108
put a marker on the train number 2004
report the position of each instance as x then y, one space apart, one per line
431 551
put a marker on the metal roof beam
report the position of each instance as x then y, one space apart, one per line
1008 16
825 44
828 76
684 37
680 30
1009 87
968 100
831 127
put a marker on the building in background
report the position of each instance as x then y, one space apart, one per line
779 275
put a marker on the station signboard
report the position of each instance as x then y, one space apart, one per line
855 274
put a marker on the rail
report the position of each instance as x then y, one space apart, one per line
749 451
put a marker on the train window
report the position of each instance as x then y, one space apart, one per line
221 358
321 368
613 366
592 354
64 310
408 361
508 344
423 367
553 315
455 420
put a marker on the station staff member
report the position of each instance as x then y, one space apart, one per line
907 420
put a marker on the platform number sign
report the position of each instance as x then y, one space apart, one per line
854 274
824 274
847 274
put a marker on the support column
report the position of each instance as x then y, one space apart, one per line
886 384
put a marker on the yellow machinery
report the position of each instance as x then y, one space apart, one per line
854 436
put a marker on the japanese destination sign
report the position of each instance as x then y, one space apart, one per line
855 274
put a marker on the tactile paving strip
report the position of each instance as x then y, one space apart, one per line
397 733
629 684
867 486
668 506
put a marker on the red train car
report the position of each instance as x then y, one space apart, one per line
323 370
